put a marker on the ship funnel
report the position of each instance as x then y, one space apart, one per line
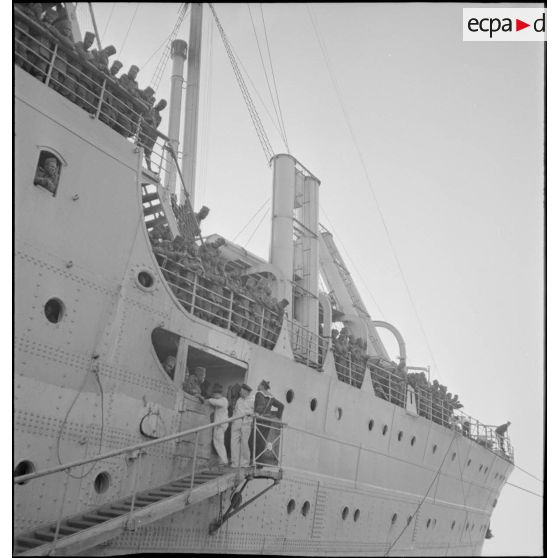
178 55
294 236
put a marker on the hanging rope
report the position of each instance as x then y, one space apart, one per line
260 131
108 21
274 82
163 61
281 131
250 220
121 50
369 182
257 227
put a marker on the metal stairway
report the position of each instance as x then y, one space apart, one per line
88 529
157 208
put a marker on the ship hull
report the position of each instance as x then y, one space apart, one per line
373 474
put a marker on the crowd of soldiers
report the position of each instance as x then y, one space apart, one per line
350 356
84 74
222 295
390 380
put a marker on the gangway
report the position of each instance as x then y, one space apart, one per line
77 533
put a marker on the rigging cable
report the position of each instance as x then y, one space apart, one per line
121 50
348 256
108 21
274 82
281 130
257 227
369 181
256 121
250 220
524 489
162 64
424 497
527 472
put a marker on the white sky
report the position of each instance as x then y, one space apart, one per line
451 135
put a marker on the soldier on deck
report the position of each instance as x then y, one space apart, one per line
83 76
48 175
193 383
148 131
129 116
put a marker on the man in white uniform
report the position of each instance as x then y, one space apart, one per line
220 403
240 429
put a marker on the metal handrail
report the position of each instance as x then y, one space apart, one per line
129 449
308 346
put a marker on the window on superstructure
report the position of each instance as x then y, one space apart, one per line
413 440
356 515
47 172
54 310
384 429
291 506
345 512
305 508
289 396
370 424
313 404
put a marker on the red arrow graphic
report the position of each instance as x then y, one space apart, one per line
519 25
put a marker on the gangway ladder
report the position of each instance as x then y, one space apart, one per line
87 529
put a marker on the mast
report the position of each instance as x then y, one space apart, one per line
189 143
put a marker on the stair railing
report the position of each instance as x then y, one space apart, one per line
138 451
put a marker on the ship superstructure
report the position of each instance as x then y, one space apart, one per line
111 454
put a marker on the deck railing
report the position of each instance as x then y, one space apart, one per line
221 305
266 429
393 387
308 348
55 62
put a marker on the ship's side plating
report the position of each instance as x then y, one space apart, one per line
355 467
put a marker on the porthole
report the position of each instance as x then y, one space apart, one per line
101 483
467 527
24 467
453 456
338 413
289 396
434 448
400 435
370 424
428 523
145 280
486 469
468 463
393 519
384 429
305 508
480 467
356 515
291 506
54 310
413 440
452 524
409 519
313 404
345 512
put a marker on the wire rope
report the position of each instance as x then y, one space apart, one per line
348 256
369 182
281 131
527 472
274 81
256 121
257 227
121 50
250 220
423 498
108 21
525 489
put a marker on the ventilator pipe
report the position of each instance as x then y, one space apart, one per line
398 337
178 55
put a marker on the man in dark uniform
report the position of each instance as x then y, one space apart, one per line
82 75
267 432
148 132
